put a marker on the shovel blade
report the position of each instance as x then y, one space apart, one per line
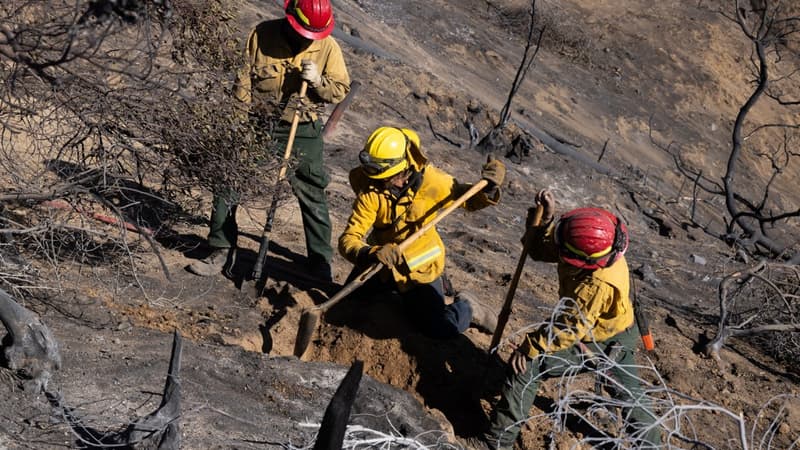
252 288
305 331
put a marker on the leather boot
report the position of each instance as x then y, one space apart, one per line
211 264
483 317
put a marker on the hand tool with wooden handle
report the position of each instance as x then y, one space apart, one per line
310 317
502 319
257 275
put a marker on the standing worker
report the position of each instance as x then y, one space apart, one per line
279 56
397 192
588 244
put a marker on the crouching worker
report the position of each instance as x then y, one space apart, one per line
588 245
397 192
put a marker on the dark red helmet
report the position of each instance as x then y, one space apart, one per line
312 19
591 238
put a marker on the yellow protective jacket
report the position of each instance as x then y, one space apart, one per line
602 307
270 73
393 219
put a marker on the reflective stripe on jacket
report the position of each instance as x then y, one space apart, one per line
271 74
393 219
602 307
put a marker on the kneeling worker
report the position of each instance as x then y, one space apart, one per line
397 192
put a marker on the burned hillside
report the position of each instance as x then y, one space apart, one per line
118 121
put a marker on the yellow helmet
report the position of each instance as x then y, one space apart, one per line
412 136
386 152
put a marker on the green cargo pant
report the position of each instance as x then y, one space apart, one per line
308 182
520 390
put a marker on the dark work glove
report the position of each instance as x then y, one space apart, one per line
389 255
544 198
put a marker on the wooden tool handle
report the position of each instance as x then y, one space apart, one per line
292 133
263 244
376 267
502 318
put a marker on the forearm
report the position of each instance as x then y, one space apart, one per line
352 247
331 90
543 246
242 90
482 200
575 321
334 82
477 201
552 337
351 241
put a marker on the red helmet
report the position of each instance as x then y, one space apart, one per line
312 19
591 238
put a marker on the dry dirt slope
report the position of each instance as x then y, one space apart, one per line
608 68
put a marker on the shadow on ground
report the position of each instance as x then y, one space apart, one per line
452 375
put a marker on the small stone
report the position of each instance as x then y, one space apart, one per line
697 259
647 275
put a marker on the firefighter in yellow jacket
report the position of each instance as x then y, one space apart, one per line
397 192
588 245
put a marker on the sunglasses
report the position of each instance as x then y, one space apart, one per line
377 166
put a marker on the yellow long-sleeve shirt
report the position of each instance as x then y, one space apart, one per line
270 72
392 219
602 307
